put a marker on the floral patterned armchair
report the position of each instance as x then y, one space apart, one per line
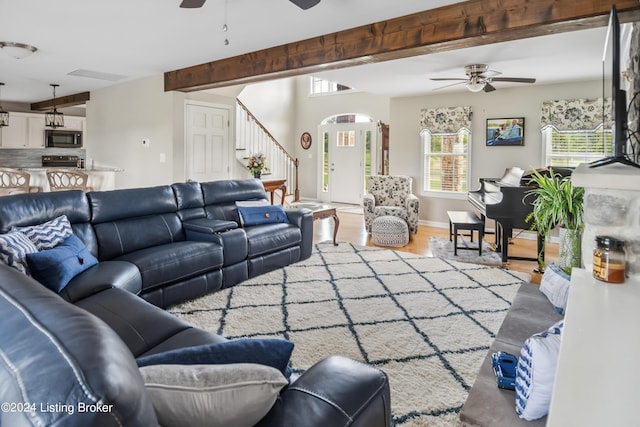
391 195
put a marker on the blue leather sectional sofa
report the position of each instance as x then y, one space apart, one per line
77 348
167 244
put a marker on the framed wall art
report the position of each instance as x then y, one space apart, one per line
505 131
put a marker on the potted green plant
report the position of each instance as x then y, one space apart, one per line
558 203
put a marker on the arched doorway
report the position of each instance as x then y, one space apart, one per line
346 157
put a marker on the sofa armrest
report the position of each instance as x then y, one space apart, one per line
303 219
336 391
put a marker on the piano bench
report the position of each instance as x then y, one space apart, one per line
465 221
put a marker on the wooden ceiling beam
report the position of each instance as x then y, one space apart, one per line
64 101
460 25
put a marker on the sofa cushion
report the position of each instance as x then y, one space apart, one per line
36 208
143 327
268 238
55 267
271 352
60 354
116 238
173 262
236 395
49 234
14 247
536 372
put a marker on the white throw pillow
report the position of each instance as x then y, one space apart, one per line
50 234
14 247
555 286
238 394
536 372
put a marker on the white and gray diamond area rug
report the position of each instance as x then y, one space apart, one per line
426 322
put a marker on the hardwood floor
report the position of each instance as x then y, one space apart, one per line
352 230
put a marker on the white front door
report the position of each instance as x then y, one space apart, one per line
347 153
207 143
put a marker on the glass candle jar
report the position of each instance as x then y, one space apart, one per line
609 261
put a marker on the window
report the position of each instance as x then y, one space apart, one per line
570 148
445 161
346 138
321 86
573 131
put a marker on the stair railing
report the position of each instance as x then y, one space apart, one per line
252 137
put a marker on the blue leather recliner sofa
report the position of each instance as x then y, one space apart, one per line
63 352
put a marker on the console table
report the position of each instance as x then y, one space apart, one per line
272 185
597 373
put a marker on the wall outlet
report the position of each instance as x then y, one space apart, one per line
146 142
163 158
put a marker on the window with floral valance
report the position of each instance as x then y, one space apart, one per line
445 135
573 130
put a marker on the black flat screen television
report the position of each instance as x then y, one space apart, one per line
611 58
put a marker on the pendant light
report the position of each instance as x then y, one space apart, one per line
54 119
4 116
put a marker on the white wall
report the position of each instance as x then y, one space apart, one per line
526 101
312 110
119 117
273 104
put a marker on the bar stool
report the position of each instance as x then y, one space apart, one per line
67 179
13 181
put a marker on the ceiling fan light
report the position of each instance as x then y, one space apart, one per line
475 86
17 50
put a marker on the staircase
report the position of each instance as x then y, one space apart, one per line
252 137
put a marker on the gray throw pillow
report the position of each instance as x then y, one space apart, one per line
238 394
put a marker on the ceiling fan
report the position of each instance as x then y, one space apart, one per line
480 77
303 4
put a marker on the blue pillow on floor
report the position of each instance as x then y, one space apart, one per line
55 267
271 352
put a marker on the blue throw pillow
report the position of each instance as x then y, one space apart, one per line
55 267
256 215
271 352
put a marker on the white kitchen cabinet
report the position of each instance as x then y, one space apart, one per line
73 123
15 135
26 130
35 137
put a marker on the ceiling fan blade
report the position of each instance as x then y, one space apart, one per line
490 73
513 79
446 78
488 87
191 4
452 84
305 4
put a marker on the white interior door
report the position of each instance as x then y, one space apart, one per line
207 143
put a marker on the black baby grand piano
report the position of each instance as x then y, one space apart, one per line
504 201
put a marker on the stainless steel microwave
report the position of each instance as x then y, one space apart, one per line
63 138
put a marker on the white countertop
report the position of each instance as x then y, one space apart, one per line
94 169
598 373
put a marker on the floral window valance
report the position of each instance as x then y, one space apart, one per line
445 120
576 114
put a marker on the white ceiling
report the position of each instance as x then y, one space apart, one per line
140 38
